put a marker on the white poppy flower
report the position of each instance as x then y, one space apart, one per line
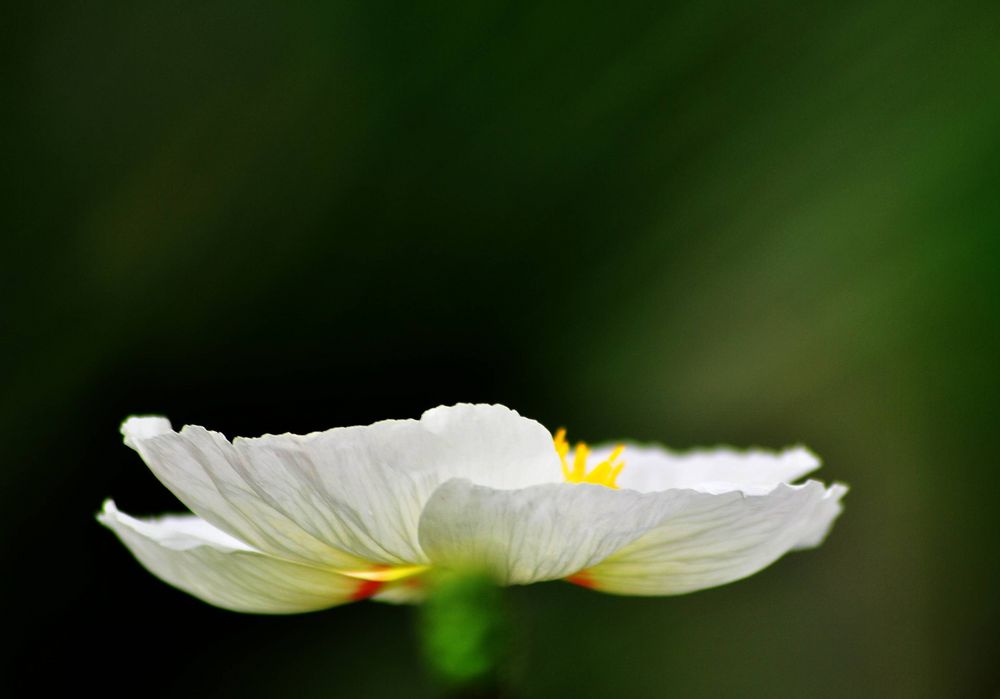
289 523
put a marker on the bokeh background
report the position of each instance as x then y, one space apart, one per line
698 223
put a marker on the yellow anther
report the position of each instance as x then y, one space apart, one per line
605 473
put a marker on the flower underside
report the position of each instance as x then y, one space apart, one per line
605 473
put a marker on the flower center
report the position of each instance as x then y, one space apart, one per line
603 473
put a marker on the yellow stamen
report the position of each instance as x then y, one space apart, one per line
605 473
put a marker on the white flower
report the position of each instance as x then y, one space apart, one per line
288 523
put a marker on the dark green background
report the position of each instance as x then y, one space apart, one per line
698 223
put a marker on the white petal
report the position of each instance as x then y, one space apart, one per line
205 472
143 427
402 592
487 444
363 488
624 541
333 489
823 517
192 555
649 468
542 532
704 539
346 492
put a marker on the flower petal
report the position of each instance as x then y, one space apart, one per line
624 541
408 591
191 554
205 472
346 495
649 468
705 539
542 532
488 444
363 488
823 517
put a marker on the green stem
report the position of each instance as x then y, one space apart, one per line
463 634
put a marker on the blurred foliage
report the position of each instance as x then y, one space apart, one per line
753 223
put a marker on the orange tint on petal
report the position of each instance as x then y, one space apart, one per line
582 579
367 588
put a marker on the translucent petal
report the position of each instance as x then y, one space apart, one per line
542 532
347 496
206 473
704 539
192 555
620 540
649 468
